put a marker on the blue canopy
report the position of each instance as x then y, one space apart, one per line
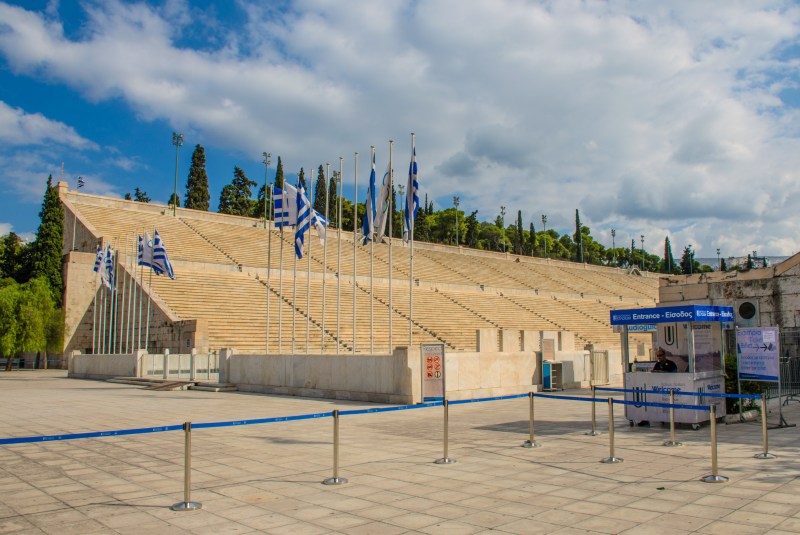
686 313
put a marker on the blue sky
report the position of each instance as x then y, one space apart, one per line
674 119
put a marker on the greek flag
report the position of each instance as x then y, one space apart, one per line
81 183
382 205
161 263
285 206
369 206
107 274
412 200
146 252
307 216
98 261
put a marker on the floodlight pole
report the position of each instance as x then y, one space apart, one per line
642 252
614 246
503 224
177 140
544 224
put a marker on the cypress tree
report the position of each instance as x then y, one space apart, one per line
320 192
140 196
301 178
279 174
532 240
197 196
520 240
49 244
578 237
668 265
332 198
473 230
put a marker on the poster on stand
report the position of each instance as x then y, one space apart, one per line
759 354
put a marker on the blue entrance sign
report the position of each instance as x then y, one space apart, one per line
686 313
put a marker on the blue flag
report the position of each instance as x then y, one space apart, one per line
161 263
369 206
412 200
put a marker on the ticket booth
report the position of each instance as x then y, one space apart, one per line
692 338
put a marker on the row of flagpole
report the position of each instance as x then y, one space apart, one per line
117 322
290 207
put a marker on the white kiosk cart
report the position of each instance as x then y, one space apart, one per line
692 338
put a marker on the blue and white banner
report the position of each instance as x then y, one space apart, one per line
369 206
161 263
98 261
687 313
107 274
382 206
306 217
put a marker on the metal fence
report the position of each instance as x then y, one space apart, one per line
181 366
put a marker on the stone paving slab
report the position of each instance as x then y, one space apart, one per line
267 478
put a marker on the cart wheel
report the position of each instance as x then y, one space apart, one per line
695 427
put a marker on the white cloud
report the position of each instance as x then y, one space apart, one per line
20 128
5 228
652 118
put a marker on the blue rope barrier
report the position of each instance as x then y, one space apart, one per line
95 434
391 409
666 391
209 425
571 398
480 400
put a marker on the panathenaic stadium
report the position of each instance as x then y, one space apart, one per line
345 321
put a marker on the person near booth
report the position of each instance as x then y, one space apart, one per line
663 364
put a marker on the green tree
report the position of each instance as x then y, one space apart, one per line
320 192
235 197
531 248
490 237
49 244
668 265
260 206
9 319
750 264
301 178
140 196
472 234
128 197
723 266
279 174
422 229
518 237
15 258
38 320
174 200
197 196
688 263
578 238
332 201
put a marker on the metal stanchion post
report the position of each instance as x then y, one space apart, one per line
765 454
714 477
594 432
611 458
445 459
335 480
531 442
672 441
187 504
166 363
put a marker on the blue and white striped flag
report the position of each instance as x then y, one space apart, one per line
98 261
107 274
161 263
285 206
146 252
412 200
369 206
306 217
81 183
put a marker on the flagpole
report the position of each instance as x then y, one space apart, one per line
280 276
339 259
355 259
325 253
94 318
410 211
268 226
114 298
267 214
128 311
103 321
149 298
121 311
371 264
132 297
308 272
294 298
141 295
391 217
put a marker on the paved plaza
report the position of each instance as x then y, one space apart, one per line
267 478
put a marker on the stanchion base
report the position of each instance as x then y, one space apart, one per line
444 460
592 433
611 460
672 443
529 444
765 456
335 481
713 479
187 506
